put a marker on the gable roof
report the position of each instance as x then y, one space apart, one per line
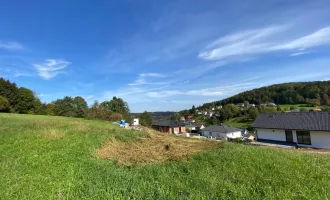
169 123
221 128
309 121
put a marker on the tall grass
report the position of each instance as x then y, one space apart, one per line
33 166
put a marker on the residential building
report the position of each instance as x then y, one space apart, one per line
136 122
305 129
221 131
194 128
169 126
240 105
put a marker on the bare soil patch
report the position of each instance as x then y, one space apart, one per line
153 149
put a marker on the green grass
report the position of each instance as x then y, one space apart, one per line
239 122
51 158
298 106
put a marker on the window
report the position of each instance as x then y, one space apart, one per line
289 136
304 137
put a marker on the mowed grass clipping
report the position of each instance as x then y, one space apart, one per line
155 148
43 157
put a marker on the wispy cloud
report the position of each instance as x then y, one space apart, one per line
14 73
10 45
261 41
51 68
89 97
213 92
299 53
148 79
318 38
163 94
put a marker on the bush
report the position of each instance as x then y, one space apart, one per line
236 140
4 104
293 107
304 110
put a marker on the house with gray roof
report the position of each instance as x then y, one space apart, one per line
305 129
221 131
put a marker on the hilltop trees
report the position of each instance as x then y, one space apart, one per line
117 105
316 93
96 111
4 104
26 101
9 91
23 100
253 113
145 119
80 106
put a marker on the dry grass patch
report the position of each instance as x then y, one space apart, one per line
153 149
82 127
53 134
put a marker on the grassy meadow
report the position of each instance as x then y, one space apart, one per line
239 122
45 157
297 106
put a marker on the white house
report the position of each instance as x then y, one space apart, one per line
195 127
136 122
221 131
305 129
210 114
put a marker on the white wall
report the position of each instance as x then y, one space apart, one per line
270 134
236 134
136 122
222 135
320 139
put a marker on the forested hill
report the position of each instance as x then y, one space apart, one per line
316 93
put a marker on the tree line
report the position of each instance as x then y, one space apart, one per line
316 93
312 93
24 101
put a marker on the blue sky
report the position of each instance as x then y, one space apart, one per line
162 55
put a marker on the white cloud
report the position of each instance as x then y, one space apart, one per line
318 38
12 46
51 68
260 41
144 79
19 74
299 53
212 92
89 97
163 94
43 95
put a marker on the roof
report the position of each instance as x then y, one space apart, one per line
169 123
221 128
194 125
309 121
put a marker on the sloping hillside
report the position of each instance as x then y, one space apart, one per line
317 93
45 157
